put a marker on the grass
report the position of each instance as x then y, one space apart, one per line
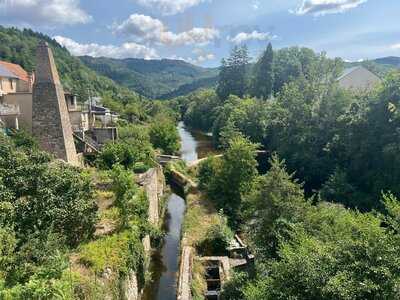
199 284
200 217
120 252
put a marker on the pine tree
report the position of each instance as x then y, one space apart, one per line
233 75
264 76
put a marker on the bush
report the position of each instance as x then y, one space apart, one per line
164 135
217 239
133 150
115 153
131 200
121 252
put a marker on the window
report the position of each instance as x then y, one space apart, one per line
12 84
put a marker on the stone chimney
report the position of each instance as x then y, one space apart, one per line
50 119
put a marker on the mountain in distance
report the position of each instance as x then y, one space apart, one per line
393 61
379 66
157 79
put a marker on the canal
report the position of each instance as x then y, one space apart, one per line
165 263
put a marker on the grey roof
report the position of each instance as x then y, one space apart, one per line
4 72
348 71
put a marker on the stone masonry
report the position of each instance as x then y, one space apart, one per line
50 119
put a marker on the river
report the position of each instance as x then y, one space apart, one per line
165 263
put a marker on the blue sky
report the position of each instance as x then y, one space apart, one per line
204 31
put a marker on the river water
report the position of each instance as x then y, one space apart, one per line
165 263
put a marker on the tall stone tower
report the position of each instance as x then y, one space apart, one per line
50 118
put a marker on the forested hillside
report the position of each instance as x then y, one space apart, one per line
19 46
153 78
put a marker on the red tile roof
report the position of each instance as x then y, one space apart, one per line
16 69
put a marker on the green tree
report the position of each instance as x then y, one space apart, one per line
263 82
274 204
233 73
164 135
233 176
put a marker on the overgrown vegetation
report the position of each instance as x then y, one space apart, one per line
46 208
340 151
340 142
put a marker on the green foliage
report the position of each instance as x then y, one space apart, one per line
120 252
201 112
133 150
263 82
45 208
233 76
227 180
274 205
46 196
164 135
319 251
326 134
24 140
131 201
153 78
217 239
232 290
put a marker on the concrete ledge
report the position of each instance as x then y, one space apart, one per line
185 274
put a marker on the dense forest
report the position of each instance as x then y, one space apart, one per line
323 220
154 79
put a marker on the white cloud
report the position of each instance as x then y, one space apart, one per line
256 4
126 50
148 29
250 36
323 7
201 56
395 47
170 7
198 60
43 12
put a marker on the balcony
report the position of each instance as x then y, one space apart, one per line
9 110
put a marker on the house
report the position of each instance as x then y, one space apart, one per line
88 121
24 81
8 84
8 81
358 78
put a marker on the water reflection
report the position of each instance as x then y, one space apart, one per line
195 144
170 250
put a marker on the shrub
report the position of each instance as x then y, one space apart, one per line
164 135
217 239
121 252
